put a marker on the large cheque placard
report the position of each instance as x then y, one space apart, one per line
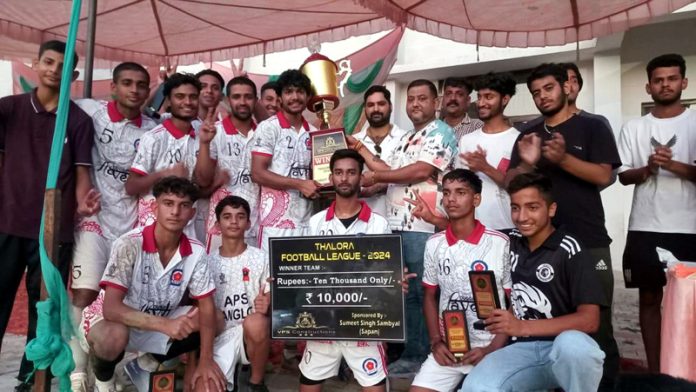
337 288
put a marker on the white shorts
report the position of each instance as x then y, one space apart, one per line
228 351
201 219
89 260
434 376
271 232
321 360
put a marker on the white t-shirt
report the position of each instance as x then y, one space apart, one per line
237 282
233 151
135 268
664 203
494 210
291 155
448 261
434 145
116 141
388 146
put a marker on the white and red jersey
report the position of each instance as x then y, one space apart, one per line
116 140
238 281
291 153
446 266
161 148
233 151
368 222
135 268
326 223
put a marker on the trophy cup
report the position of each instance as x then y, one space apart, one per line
321 71
485 293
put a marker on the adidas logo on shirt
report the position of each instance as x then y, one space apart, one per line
601 266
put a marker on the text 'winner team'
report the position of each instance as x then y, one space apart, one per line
168 251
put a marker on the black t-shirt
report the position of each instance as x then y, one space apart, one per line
580 207
553 280
26 136
349 221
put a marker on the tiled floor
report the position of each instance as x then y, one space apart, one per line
626 331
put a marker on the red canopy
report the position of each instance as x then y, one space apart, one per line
190 31
185 32
521 23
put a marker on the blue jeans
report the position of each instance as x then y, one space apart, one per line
416 347
573 362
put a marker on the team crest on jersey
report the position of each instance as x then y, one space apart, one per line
222 278
245 274
370 366
544 272
136 143
479 265
308 143
177 277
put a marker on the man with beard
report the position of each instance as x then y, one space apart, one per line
120 126
657 154
578 154
416 168
487 150
556 300
211 94
347 215
171 148
575 83
381 138
209 100
233 145
455 104
281 155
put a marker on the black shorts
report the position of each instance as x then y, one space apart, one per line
641 266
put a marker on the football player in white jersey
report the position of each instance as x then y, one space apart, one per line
233 141
212 84
120 125
173 148
281 156
347 215
466 245
240 273
149 271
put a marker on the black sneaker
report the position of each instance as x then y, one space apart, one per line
23 387
257 387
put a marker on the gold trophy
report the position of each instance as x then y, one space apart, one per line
456 332
321 71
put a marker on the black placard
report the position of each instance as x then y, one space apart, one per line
337 288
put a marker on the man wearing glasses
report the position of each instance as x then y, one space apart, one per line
381 138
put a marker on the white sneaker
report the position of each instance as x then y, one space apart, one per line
105 386
78 382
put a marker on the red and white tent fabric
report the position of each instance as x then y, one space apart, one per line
185 31
160 32
522 23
